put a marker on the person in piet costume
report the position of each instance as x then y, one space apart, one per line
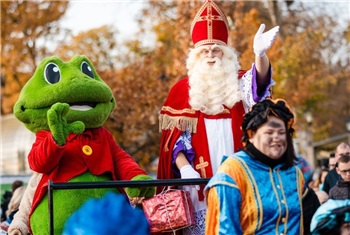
259 189
201 117
65 104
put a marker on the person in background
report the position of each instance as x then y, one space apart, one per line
14 203
7 197
341 190
201 117
317 184
19 225
332 161
332 218
305 167
311 195
332 176
322 177
259 190
13 206
5 200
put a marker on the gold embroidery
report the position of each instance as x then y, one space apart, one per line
208 6
176 111
182 123
201 166
166 146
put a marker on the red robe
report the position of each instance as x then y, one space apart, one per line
176 115
94 150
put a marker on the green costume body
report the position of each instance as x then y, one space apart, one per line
63 103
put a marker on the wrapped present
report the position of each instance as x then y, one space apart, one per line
170 210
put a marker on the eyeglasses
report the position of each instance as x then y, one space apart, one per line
331 165
345 171
215 51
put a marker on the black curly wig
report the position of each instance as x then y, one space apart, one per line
258 115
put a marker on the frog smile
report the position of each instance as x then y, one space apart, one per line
82 106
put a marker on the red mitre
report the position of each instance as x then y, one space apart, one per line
209 25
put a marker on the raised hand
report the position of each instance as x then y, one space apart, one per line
60 129
263 41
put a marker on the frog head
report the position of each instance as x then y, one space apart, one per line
76 83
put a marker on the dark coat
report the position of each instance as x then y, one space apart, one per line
330 180
340 191
310 205
5 200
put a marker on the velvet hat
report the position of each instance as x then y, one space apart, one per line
209 26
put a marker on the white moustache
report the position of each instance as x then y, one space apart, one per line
210 65
217 62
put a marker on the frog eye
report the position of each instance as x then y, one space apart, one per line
86 69
52 73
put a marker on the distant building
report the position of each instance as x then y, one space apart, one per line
16 142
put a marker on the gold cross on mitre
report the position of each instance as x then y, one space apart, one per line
212 16
201 166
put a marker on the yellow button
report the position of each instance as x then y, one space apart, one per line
283 220
87 150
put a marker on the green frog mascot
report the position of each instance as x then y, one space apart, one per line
65 104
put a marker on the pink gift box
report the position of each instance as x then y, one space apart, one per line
170 210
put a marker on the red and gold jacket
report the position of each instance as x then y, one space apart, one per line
94 150
176 116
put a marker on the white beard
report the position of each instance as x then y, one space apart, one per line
212 87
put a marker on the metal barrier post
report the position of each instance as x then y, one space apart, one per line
50 199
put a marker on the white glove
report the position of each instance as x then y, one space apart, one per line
187 172
263 41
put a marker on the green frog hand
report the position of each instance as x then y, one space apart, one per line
60 129
145 192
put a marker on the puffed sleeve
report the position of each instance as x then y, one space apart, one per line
224 203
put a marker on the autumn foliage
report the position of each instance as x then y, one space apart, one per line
310 59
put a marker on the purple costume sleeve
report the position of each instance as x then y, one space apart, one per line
256 97
181 146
